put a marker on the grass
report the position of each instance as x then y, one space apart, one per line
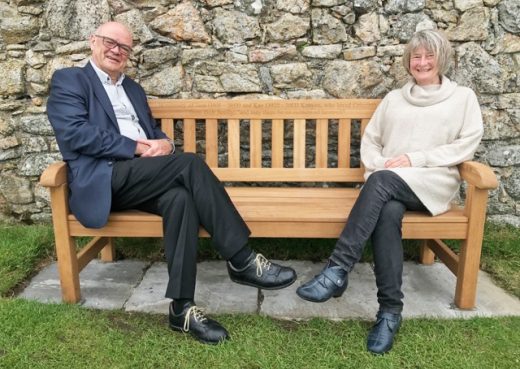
501 256
21 249
55 336
35 335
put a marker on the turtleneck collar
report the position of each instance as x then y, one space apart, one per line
428 95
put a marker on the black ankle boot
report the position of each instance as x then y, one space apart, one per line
331 282
381 336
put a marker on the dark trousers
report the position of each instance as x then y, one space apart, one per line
378 214
185 192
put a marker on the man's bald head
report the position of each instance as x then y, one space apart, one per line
111 45
115 27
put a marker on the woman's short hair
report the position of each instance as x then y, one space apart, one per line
433 41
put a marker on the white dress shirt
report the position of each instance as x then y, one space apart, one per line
127 119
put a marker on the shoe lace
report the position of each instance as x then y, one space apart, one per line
198 315
261 264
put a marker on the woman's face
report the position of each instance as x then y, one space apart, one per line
423 67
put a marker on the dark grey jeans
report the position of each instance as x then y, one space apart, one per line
378 214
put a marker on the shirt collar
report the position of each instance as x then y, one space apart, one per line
104 77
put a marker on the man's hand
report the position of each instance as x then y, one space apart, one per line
400 161
154 147
141 148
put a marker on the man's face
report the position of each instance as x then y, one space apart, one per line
108 46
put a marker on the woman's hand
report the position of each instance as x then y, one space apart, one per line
400 161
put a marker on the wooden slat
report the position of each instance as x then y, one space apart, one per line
343 201
322 143
167 127
65 245
329 217
91 250
291 229
332 230
263 109
444 253
255 144
289 174
233 143
299 143
277 133
212 142
189 135
122 228
279 229
344 130
471 248
364 123
108 253
290 192
426 255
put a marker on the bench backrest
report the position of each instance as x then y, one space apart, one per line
271 140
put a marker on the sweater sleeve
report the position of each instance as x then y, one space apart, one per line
371 142
462 148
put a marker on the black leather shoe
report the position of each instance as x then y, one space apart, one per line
193 321
381 336
261 273
331 282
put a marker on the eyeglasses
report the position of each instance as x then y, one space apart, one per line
111 43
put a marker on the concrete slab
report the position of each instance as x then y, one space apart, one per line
136 286
358 301
103 285
214 292
429 292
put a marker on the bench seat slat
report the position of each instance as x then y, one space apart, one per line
293 212
256 211
415 226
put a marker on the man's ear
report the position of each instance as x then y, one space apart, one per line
91 41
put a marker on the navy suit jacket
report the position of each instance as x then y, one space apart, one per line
89 139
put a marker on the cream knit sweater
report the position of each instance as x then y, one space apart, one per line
437 127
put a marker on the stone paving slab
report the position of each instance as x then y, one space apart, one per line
103 285
138 286
358 301
214 291
428 290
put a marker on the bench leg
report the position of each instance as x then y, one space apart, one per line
471 248
467 275
68 269
108 253
426 255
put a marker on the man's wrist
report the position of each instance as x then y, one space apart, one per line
172 144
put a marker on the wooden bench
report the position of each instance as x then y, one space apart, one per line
305 144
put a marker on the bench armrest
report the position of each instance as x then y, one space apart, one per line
478 174
55 175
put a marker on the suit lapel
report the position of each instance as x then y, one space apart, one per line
139 106
101 94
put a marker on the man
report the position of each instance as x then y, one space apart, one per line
118 159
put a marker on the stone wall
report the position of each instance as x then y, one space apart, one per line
254 49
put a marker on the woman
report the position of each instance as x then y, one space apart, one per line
410 150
